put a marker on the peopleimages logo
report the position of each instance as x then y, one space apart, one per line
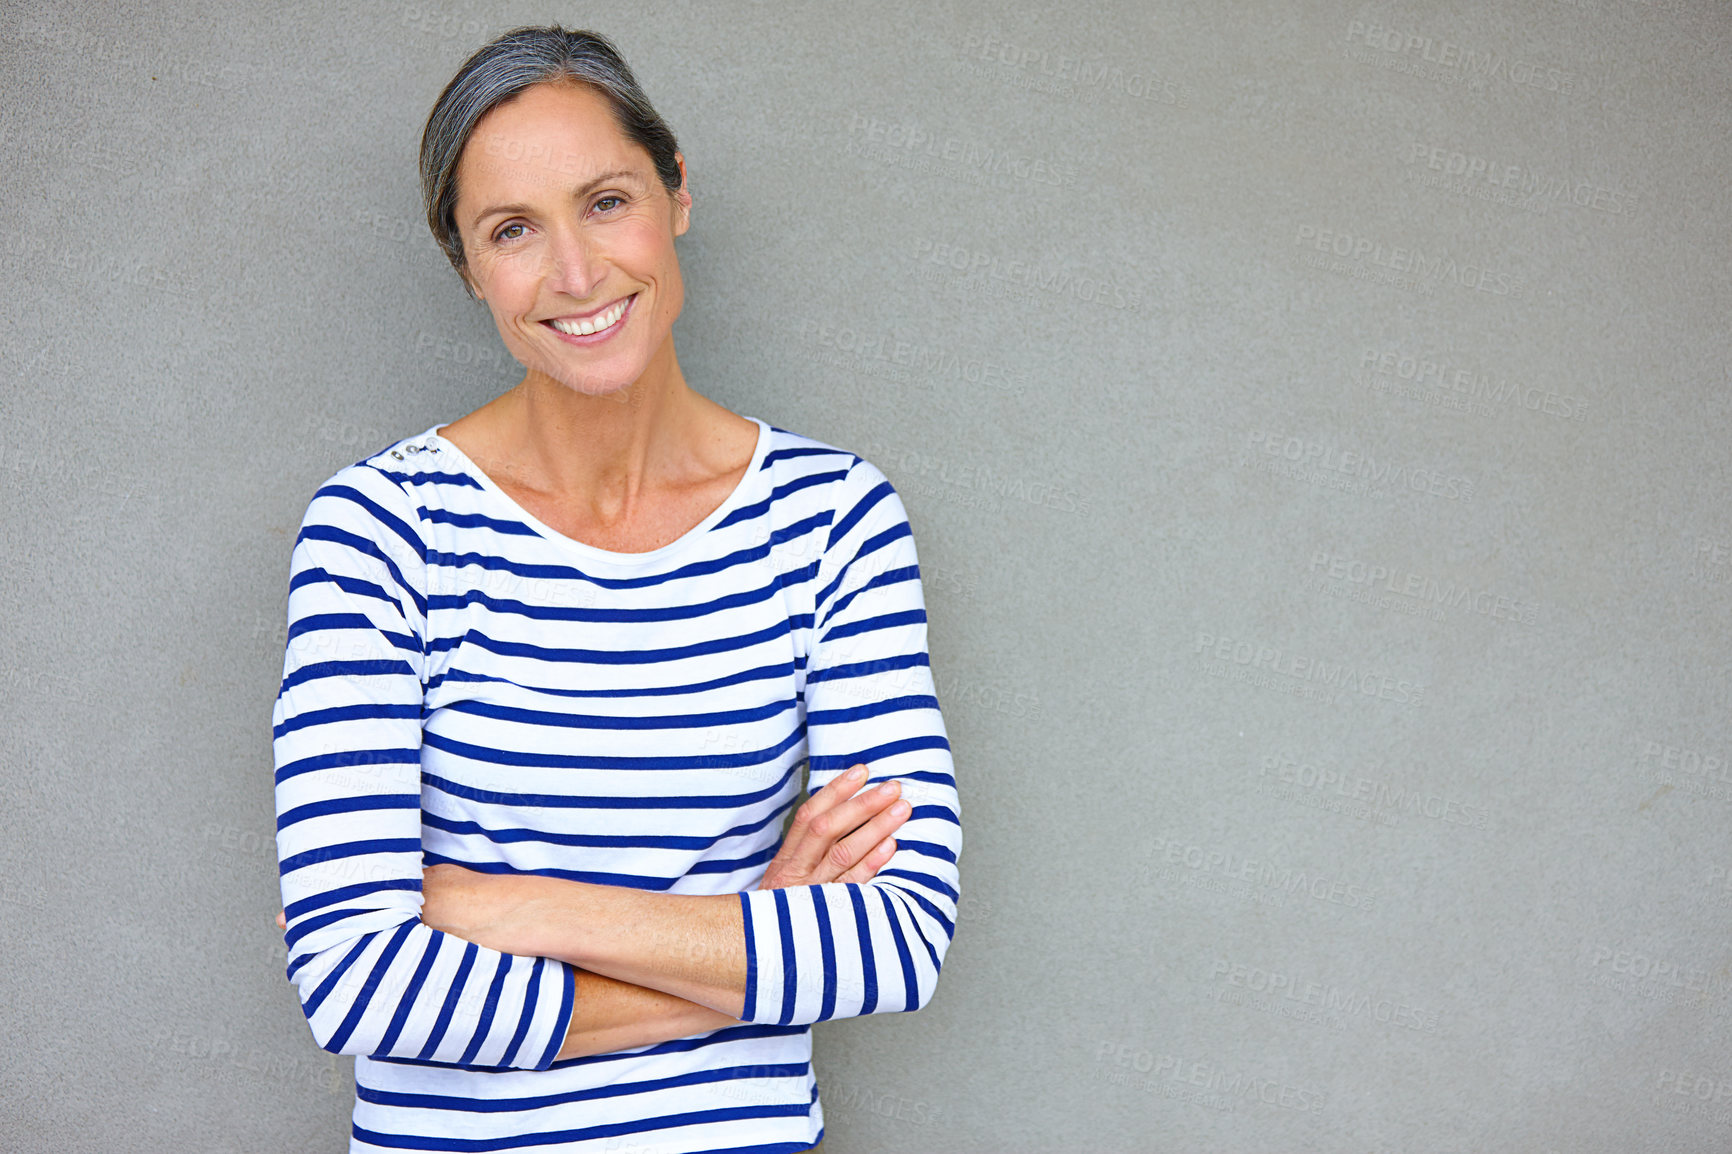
1369 471
911 140
1518 180
1285 663
954 261
1410 261
1325 997
1428 590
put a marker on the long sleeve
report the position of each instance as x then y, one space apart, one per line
842 950
373 978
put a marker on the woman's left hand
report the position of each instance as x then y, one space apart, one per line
480 907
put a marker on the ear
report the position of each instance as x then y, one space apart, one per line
682 199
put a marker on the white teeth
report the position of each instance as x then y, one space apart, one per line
595 324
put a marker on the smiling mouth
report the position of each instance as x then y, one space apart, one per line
588 326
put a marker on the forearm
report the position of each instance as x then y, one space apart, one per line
611 1015
691 946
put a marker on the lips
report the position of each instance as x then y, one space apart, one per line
593 323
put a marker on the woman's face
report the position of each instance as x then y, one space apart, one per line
565 226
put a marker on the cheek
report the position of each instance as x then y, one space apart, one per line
645 244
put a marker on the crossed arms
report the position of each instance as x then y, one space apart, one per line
519 970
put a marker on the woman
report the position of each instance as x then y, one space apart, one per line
567 654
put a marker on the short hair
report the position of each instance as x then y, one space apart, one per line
501 71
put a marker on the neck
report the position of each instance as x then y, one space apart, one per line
604 449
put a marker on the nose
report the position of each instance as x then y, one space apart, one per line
573 265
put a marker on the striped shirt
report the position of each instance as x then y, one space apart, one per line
464 684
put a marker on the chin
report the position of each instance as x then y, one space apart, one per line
596 384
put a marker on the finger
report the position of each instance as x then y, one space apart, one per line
861 808
849 851
810 852
282 920
872 863
816 824
835 791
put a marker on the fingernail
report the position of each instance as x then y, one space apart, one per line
858 772
889 788
900 809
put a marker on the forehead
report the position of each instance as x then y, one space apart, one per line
549 136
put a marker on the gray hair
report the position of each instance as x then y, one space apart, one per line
500 71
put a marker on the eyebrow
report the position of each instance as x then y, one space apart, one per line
603 178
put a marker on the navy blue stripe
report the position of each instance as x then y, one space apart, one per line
488 561
734 865
927 849
346 893
793 451
300 929
932 883
360 588
455 994
347 713
870 709
321 621
868 958
344 669
761 673
759 508
868 668
861 507
562 1022
827 947
587 840
507 606
909 985
459 480
594 877
593 1133
438 516
358 1007
745 759
489 1007
725 1036
870 546
347 803
591 1094
410 995
528 1013
751 1007
349 849
925 904
888 577
790 966
873 624
612 721
356 543
613 656
379 513
345 758
876 753
312 1004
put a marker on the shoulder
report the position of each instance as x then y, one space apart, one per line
844 474
376 496
854 508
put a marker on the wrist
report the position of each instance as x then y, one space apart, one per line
541 917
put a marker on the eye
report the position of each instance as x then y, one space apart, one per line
501 234
618 200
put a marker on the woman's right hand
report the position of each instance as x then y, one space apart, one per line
839 834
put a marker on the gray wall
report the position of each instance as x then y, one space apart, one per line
1314 420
